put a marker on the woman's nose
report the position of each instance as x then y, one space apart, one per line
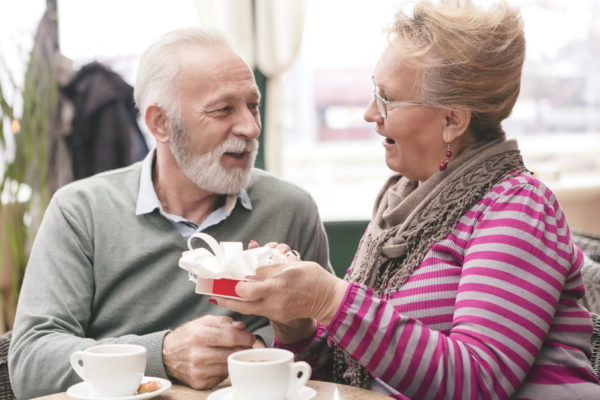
372 114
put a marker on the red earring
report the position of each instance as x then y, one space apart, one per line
444 164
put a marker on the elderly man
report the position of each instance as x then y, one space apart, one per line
104 265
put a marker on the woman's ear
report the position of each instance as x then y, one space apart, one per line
158 123
456 123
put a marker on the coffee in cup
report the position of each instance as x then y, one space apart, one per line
111 370
266 374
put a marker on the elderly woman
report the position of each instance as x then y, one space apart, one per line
465 284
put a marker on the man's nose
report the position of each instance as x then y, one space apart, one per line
248 124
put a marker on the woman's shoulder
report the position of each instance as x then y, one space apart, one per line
517 204
521 185
518 194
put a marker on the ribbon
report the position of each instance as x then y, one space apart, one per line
228 259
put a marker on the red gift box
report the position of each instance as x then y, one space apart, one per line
218 287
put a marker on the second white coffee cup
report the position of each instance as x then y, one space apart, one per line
266 374
111 370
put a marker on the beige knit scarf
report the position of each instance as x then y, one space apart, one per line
409 218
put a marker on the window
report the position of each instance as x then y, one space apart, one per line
333 153
327 147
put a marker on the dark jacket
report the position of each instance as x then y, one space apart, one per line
105 130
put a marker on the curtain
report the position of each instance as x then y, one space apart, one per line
232 17
268 39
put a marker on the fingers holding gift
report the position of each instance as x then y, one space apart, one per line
288 253
297 290
283 248
268 271
292 255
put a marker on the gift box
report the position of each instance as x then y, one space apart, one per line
216 273
218 287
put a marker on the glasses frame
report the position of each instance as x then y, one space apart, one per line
383 104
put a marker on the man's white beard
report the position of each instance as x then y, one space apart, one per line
206 170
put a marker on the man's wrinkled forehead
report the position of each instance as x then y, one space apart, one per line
224 88
217 66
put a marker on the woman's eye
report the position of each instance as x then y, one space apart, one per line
382 95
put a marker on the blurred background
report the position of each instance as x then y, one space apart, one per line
313 60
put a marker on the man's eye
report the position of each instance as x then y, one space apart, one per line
254 106
222 111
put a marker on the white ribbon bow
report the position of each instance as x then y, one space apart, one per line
229 260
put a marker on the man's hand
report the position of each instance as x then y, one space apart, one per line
196 352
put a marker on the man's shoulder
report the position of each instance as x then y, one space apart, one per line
121 180
264 183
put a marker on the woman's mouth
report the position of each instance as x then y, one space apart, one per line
388 141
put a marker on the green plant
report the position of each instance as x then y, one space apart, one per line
23 185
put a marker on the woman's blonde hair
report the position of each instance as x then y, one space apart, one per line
465 56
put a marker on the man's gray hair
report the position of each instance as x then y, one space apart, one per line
156 80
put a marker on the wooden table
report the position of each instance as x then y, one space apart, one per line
325 391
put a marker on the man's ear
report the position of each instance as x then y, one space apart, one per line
456 123
158 123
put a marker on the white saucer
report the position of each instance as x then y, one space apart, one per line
306 393
81 391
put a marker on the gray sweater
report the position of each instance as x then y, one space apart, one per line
98 273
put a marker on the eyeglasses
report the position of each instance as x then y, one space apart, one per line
383 104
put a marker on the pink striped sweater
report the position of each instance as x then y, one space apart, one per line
490 313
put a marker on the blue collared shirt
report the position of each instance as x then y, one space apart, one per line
147 203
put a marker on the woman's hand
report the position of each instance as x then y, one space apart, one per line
290 291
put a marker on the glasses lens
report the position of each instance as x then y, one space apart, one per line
381 106
380 103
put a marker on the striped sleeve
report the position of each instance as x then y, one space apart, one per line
516 258
315 350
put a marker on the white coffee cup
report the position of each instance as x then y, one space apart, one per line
266 374
111 370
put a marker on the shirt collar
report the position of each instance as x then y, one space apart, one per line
147 200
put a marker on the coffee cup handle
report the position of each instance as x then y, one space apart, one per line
77 363
300 373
